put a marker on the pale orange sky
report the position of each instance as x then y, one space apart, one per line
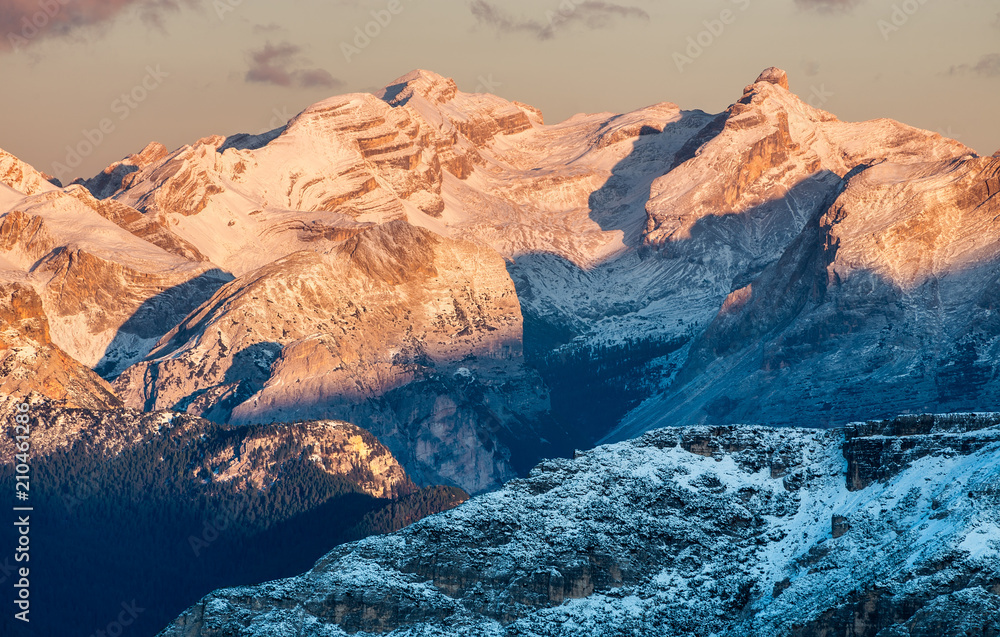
228 66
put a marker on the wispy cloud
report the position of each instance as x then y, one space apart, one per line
828 6
986 66
591 14
23 22
282 65
271 27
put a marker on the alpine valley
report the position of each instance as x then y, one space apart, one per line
252 353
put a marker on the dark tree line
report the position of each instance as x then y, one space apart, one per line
592 387
141 526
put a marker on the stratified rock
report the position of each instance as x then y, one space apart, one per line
30 363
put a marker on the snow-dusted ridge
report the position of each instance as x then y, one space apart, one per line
727 531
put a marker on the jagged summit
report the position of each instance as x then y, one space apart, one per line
774 75
428 84
115 176
21 177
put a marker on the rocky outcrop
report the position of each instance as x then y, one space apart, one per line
30 363
774 75
112 314
877 451
680 532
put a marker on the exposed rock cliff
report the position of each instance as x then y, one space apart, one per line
30 362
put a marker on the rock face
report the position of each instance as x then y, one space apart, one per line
884 302
31 363
416 336
876 451
704 531
108 294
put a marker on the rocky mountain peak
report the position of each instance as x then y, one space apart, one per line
427 84
774 75
152 152
18 175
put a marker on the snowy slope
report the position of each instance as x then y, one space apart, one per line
107 292
890 528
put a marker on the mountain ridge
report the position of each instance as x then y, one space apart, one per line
625 237
738 531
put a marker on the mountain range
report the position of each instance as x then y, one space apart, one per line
481 290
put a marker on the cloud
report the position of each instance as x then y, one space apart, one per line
828 6
987 66
281 65
23 22
267 28
592 14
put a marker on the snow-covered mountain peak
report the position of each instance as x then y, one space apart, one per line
477 116
427 84
21 177
356 105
